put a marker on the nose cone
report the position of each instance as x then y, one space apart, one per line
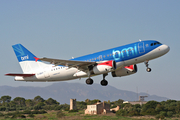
164 49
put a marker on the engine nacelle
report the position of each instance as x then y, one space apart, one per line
128 70
104 67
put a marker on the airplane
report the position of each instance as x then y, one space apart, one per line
119 61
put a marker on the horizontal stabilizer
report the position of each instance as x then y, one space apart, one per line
22 75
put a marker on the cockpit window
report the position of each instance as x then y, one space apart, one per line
156 43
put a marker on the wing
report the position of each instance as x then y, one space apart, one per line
22 75
81 65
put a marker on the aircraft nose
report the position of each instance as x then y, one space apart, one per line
165 48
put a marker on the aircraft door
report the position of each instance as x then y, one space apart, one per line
141 47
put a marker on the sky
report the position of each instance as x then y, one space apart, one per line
63 29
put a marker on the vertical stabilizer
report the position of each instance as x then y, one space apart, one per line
28 62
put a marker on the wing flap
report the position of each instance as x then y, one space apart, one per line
21 75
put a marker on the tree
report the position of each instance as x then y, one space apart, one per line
159 108
51 101
38 99
93 101
12 104
4 99
29 102
19 101
149 108
87 100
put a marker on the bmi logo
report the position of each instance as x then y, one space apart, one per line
25 57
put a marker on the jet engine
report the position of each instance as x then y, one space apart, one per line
128 70
104 67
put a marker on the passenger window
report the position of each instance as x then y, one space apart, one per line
151 44
94 58
155 43
104 56
108 55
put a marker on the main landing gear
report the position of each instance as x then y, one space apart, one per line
148 69
104 82
89 81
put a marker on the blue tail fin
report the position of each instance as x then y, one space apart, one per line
22 53
28 61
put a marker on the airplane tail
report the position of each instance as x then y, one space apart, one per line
29 62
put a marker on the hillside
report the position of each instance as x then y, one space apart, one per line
63 91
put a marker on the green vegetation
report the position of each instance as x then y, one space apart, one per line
169 108
38 108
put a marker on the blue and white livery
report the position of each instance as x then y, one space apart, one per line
119 61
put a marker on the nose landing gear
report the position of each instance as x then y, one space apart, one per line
148 69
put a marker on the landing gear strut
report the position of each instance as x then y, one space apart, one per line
104 82
148 69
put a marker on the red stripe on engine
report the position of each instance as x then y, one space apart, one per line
130 67
108 63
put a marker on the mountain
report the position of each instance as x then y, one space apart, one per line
63 92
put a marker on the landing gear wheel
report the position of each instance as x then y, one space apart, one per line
148 69
89 81
104 82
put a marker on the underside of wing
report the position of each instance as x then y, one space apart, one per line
21 75
83 65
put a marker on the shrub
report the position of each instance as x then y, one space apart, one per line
26 112
42 112
169 114
18 116
1 114
6 116
60 114
58 107
121 112
159 116
31 115
163 113
133 113
66 109
35 112
149 111
40 117
73 111
2 108
38 112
